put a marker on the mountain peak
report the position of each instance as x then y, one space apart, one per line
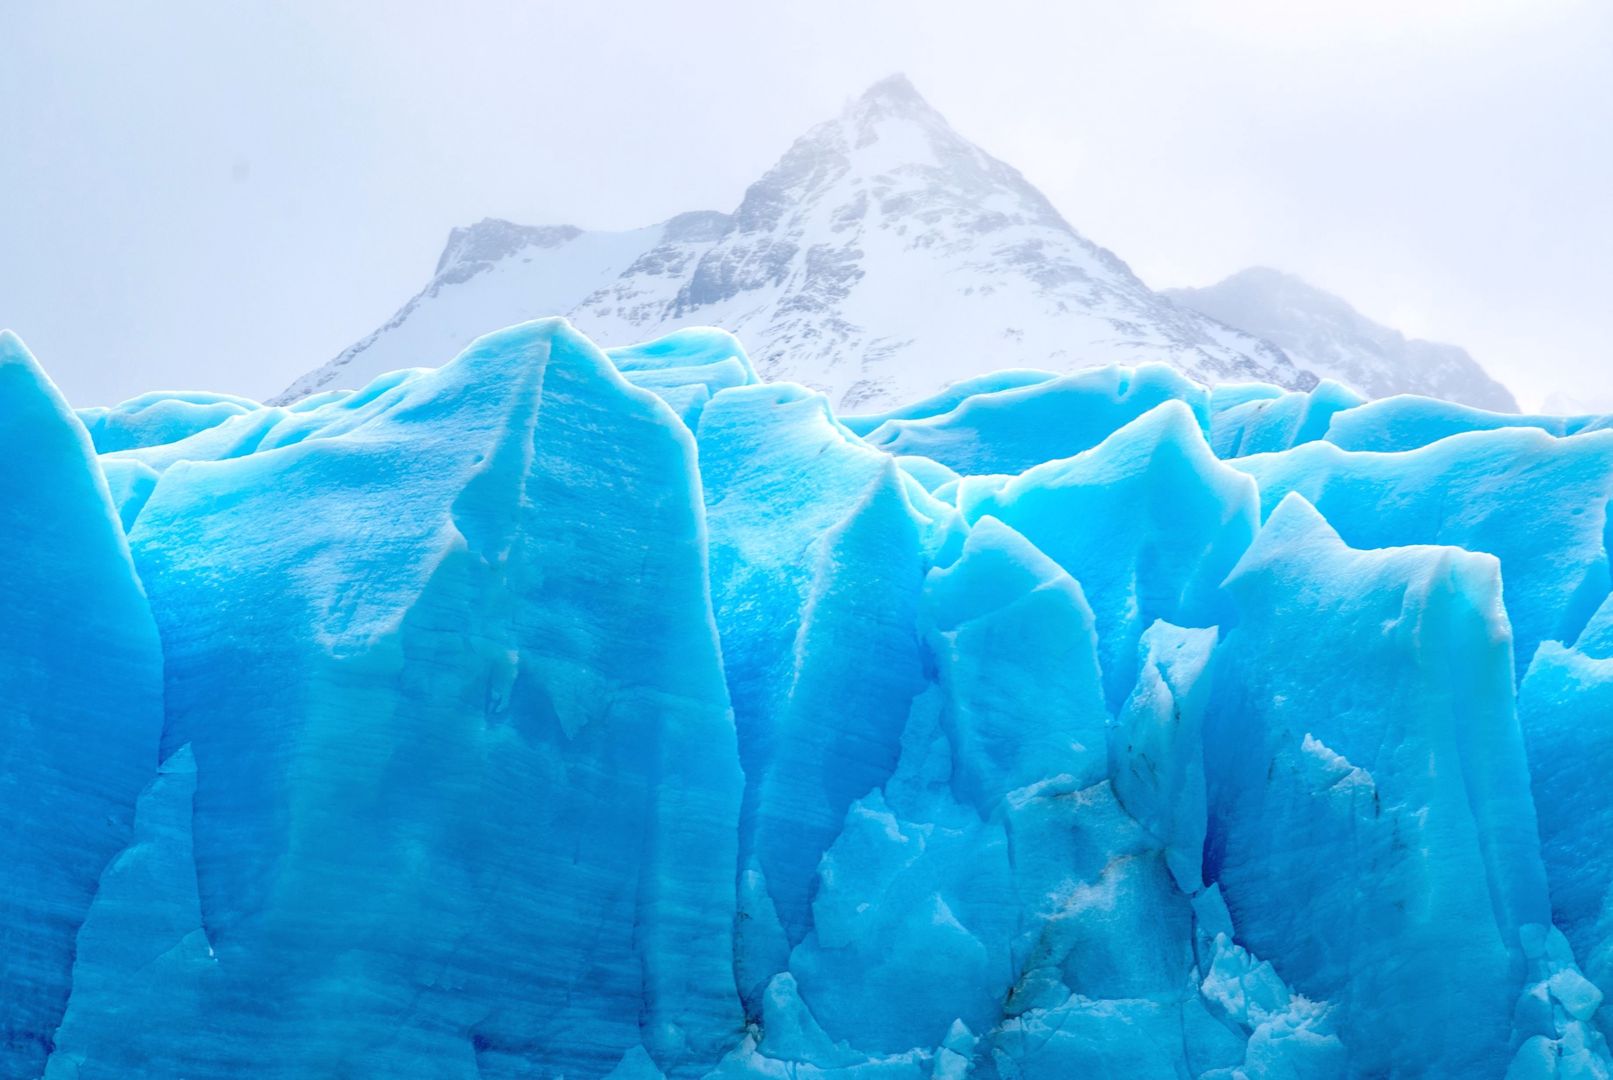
894 99
889 129
883 256
893 92
1267 274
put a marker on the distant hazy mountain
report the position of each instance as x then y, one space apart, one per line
1323 334
882 258
1579 403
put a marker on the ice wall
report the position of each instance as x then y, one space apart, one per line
561 712
80 700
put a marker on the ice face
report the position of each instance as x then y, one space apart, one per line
1010 430
1537 503
1149 522
1390 742
451 651
1563 704
564 712
80 700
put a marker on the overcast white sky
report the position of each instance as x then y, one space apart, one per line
223 195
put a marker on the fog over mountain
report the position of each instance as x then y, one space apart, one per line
1323 333
882 258
227 196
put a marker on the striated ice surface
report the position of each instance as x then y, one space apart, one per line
577 713
81 701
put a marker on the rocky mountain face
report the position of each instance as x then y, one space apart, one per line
1324 334
882 258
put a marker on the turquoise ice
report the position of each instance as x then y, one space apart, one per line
614 713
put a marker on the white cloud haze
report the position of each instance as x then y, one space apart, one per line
225 195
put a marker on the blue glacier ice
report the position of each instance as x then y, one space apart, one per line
1249 419
1009 430
80 697
1405 423
1389 751
156 418
1537 503
574 712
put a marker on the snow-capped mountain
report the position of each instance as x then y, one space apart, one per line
882 258
1322 333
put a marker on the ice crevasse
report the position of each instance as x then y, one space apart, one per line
609 713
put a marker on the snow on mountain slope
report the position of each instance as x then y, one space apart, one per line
1321 332
882 258
490 275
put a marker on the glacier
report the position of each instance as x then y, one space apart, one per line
574 712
